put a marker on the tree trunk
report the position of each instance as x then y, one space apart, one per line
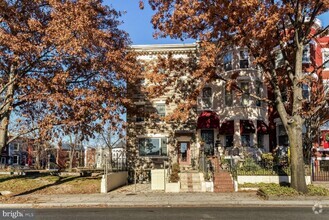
297 165
6 111
295 127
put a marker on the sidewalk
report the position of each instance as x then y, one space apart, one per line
129 197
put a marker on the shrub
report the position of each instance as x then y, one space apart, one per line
317 191
250 165
174 177
273 189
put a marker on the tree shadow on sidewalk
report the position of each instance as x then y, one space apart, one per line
60 181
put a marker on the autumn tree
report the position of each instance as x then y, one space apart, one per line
63 67
267 29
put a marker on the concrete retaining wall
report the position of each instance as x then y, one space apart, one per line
268 179
158 179
113 181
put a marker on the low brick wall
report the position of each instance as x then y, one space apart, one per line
113 181
268 179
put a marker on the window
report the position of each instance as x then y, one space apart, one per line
245 140
228 59
206 92
152 146
15 146
279 59
306 91
228 96
244 59
229 140
325 59
258 93
15 159
282 135
3 160
140 114
260 140
160 109
306 54
245 93
206 100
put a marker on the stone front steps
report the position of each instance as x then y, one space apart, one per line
190 182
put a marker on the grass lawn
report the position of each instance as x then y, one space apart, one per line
47 184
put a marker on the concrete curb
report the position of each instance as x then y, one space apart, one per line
125 204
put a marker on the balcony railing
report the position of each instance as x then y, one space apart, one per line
205 103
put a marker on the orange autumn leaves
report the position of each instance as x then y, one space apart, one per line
67 63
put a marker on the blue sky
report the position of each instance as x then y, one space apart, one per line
138 22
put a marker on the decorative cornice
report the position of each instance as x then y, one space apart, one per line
158 49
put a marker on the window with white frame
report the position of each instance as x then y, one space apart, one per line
15 146
156 146
15 159
228 61
245 93
325 58
306 54
244 59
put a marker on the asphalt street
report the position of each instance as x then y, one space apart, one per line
268 213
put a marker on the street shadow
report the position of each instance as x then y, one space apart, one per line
60 181
27 176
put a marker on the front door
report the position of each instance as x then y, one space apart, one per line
184 153
208 138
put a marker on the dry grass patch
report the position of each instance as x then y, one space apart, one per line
41 184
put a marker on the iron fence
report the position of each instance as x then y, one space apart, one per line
251 167
320 170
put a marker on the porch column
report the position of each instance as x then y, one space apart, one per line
237 135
